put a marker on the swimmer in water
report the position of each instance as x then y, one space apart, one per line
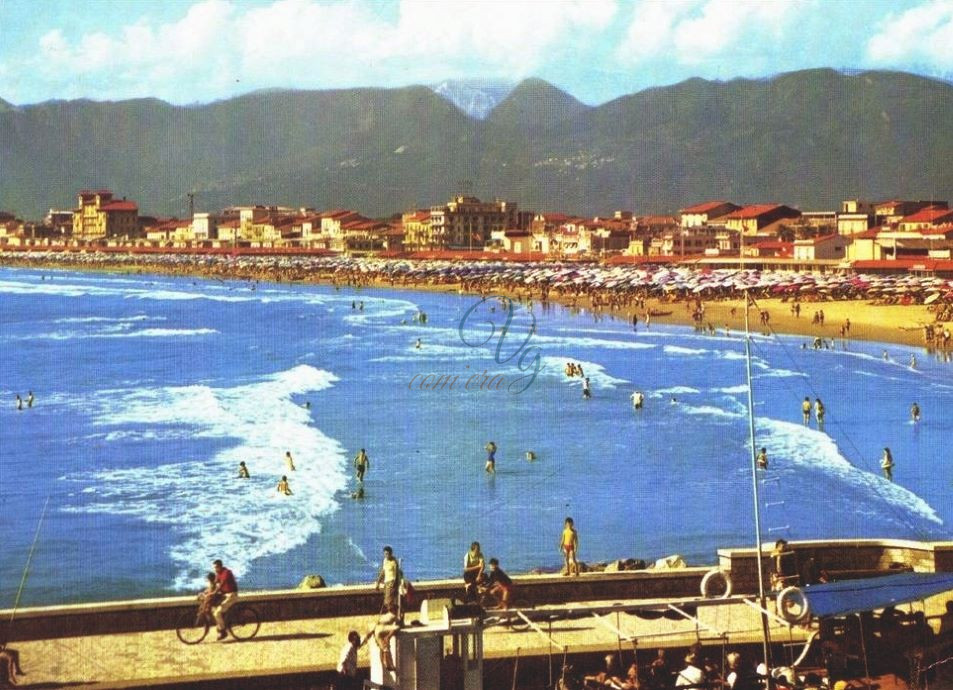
490 458
359 493
289 461
417 344
530 455
19 402
243 471
886 464
586 390
29 399
283 487
915 412
763 459
638 400
913 361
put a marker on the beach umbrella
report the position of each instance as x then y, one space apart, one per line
932 298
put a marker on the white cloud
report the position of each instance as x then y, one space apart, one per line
315 44
920 36
692 31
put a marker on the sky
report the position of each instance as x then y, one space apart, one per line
197 51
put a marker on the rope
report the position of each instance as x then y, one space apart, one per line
29 559
856 452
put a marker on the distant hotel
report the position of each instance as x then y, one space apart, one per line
887 235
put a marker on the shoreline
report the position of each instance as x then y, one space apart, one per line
895 324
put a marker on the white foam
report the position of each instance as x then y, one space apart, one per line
675 390
215 514
796 445
118 333
678 350
585 343
111 320
773 372
712 411
731 390
596 373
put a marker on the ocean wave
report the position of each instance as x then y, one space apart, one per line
110 319
596 373
215 514
115 333
674 390
712 411
731 390
799 446
679 350
586 343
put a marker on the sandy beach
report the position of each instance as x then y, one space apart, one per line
886 323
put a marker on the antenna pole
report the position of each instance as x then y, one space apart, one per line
766 640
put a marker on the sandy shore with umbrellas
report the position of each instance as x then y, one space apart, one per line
896 308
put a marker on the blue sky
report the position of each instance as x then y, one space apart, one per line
189 51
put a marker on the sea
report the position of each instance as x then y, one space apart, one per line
121 480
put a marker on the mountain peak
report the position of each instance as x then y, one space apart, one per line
535 103
476 97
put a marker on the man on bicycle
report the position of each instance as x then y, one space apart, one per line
499 584
226 586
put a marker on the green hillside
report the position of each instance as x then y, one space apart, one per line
808 138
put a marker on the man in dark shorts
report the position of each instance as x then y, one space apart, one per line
389 577
499 583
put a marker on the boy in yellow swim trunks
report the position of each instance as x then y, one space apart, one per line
569 544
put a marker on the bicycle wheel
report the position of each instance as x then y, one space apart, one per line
243 622
191 627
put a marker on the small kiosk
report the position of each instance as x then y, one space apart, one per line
443 652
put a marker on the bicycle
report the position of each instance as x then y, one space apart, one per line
241 620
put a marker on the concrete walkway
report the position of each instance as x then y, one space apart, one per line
314 645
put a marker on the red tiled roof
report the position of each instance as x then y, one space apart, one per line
556 217
818 240
773 244
657 220
930 214
752 211
119 206
866 234
705 207
337 213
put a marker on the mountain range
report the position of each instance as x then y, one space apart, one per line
809 139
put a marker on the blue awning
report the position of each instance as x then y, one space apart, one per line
854 596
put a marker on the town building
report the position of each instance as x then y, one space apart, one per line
893 211
204 227
98 216
701 214
417 232
758 218
465 222
832 246
60 221
926 218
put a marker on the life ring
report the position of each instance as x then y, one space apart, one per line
712 574
793 598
